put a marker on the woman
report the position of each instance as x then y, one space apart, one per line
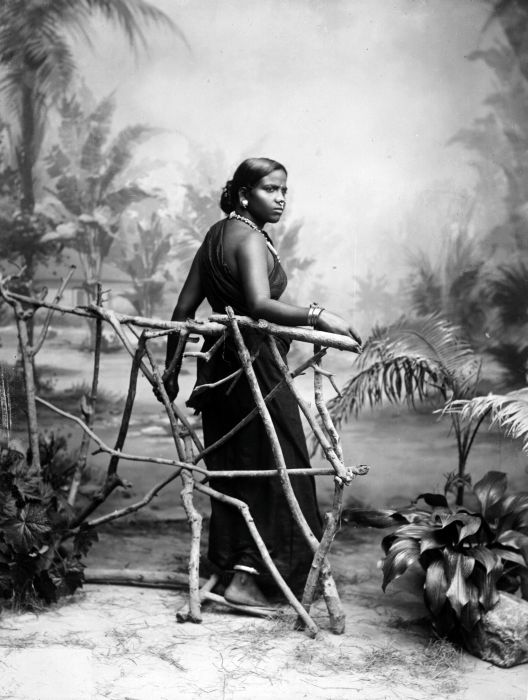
238 266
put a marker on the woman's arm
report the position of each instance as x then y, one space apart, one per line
251 259
190 298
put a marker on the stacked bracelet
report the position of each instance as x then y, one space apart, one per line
314 312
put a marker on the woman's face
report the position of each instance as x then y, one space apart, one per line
267 199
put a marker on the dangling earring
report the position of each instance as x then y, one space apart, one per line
244 203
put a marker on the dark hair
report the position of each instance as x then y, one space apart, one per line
248 173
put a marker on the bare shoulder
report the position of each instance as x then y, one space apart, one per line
240 236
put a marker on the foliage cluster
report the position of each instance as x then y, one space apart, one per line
468 556
40 559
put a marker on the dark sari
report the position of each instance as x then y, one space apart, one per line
230 542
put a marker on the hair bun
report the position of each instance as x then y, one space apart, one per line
226 199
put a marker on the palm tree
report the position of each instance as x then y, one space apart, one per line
37 62
412 360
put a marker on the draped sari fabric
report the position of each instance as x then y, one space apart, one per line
230 542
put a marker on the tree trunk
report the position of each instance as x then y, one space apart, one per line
27 149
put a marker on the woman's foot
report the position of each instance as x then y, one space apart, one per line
243 590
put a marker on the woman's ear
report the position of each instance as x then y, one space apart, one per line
242 197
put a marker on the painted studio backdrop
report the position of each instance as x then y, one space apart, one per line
403 125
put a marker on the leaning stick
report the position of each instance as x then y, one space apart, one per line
266 558
129 404
195 523
335 610
45 326
180 347
182 615
193 517
254 411
329 451
154 377
291 499
90 408
244 609
173 411
320 568
317 562
271 432
323 410
147 498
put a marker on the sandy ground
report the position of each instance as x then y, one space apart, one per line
123 643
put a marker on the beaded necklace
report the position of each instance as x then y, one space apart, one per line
269 242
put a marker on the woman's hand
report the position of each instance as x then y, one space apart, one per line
170 382
332 323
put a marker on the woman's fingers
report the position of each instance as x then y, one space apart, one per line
355 335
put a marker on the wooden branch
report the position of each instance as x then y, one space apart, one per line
321 570
129 405
136 577
331 340
342 476
147 498
195 523
215 325
323 411
333 602
330 377
252 610
269 427
254 411
317 562
266 558
234 473
47 320
329 451
295 509
177 357
206 356
90 412
200 327
183 613
173 411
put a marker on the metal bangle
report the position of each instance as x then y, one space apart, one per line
312 313
316 315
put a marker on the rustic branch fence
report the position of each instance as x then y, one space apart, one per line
188 446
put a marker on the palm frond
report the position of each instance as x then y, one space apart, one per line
120 153
508 412
410 360
130 15
431 338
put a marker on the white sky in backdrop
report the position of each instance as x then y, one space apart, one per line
357 98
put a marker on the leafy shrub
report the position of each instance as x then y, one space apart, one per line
40 557
467 556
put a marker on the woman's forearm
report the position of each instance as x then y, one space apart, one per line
179 314
279 312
